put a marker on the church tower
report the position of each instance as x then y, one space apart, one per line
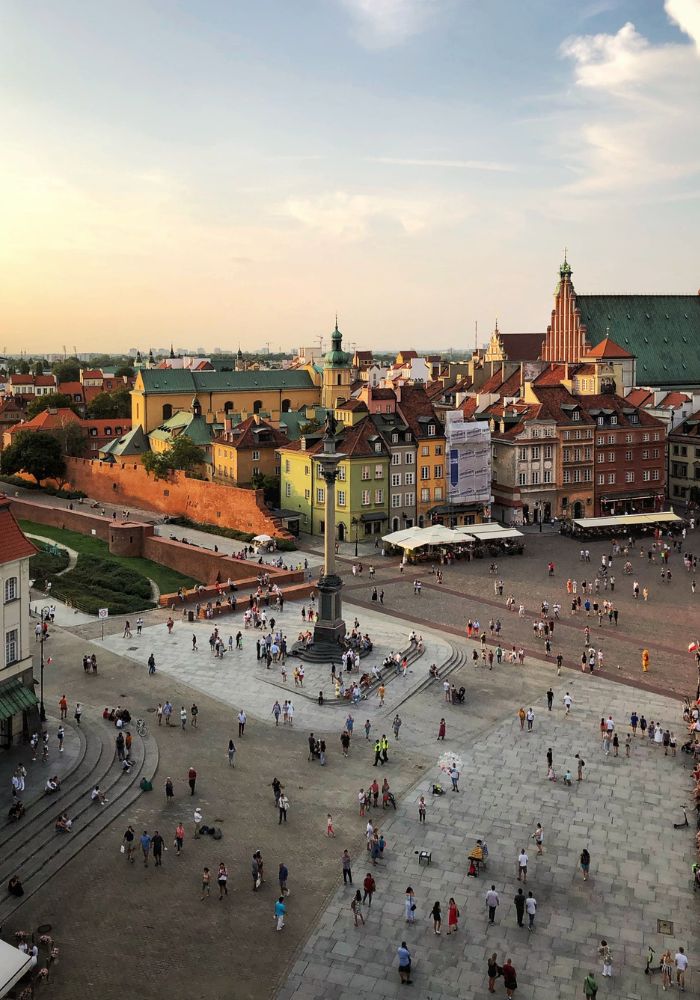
565 340
337 372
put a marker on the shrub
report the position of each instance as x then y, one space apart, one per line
99 583
45 565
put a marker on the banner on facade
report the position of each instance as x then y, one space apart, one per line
468 459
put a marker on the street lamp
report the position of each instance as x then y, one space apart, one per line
44 617
668 460
356 525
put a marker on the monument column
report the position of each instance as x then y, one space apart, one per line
329 627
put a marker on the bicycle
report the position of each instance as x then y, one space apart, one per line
141 728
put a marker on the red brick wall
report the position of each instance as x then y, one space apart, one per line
128 484
73 520
203 564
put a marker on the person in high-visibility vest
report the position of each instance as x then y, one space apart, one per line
645 660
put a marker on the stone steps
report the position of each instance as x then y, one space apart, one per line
457 658
34 850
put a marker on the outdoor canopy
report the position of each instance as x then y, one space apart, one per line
417 538
628 520
13 965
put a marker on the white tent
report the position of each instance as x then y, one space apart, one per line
490 532
13 965
396 537
263 538
418 538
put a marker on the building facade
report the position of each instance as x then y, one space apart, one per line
684 464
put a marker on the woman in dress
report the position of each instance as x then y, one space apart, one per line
410 906
666 969
436 914
452 916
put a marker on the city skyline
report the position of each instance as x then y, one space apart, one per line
219 176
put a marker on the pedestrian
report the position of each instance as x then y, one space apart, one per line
145 847
231 753
522 865
568 700
282 876
222 879
519 901
580 764
530 716
681 961
531 908
179 838
369 886
628 744
441 730
436 914
616 745
452 916
183 717
63 705
169 791
410 906
404 960
606 955
396 725
194 712
280 911
550 699
159 713
521 716
510 981
129 844
78 712
192 779
157 845
330 832
283 806
585 862
346 861
151 664
368 726
194 643
590 986
538 837
493 971
454 777
241 723
421 809
206 883
492 901
255 871
356 907
198 816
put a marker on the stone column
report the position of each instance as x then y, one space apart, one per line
329 627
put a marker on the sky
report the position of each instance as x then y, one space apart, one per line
220 172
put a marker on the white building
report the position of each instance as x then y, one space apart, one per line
17 698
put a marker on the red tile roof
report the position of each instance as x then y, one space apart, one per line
607 348
47 420
71 388
522 346
639 397
674 400
13 543
248 435
44 380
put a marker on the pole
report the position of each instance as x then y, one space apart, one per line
356 532
42 710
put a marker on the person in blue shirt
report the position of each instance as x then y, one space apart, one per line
404 963
145 846
280 910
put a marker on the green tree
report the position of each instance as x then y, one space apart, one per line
182 454
23 368
157 464
54 400
124 371
71 438
37 453
270 485
68 370
38 368
111 404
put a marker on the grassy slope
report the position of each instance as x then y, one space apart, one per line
167 580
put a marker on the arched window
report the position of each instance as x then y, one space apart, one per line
228 406
286 405
257 406
167 411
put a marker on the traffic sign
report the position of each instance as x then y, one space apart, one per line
103 613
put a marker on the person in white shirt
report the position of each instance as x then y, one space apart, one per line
681 965
531 908
492 902
522 865
567 702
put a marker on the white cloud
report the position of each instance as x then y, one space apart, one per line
382 24
631 126
447 164
346 216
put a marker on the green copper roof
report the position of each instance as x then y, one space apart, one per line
163 380
662 331
337 357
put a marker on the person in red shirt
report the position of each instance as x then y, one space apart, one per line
192 779
509 978
369 886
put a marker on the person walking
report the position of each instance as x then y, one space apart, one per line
198 817
129 844
63 705
280 912
519 901
436 914
206 883
78 712
192 779
606 955
452 916
151 664
242 718
369 886
493 971
681 960
222 879
454 777
538 837
585 862
550 699
183 717
169 791
580 764
283 806
145 847
194 712
346 862
441 730
409 906
330 832
356 907
404 963
510 980
231 753
590 986
530 717
157 845
531 909
522 865
421 809
282 876
179 838
492 901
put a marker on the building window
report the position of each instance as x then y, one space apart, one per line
396 500
438 472
601 479
410 479
320 495
410 457
588 475
409 499
307 494
613 420
379 472
535 477
547 476
341 473
11 646
396 458
425 450
628 456
645 436
575 415
646 475
645 453
365 498
588 454
379 496
396 479
655 474
535 453
438 449
438 492
425 472
566 476
394 438
548 451
256 456
657 436
307 470
522 454
11 589
601 457
288 489
577 475
365 471
628 439
611 456
655 453
431 430
425 495
256 470
522 479
611 478
341 498
629 477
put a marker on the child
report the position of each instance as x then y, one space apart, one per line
330 832
472 870
452 916
567 777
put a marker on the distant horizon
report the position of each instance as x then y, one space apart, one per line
238 173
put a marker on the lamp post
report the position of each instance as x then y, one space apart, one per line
42 710
668 460
356 525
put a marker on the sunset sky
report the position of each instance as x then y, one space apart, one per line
219 172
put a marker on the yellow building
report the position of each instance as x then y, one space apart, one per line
413 404
246 451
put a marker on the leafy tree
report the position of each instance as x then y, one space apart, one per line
124 371
37 453
68 370
23 368
38 368
72 439
270 486
111 404
54 400
182 454
156 462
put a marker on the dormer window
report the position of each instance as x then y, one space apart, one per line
613 419
601 421
378 447
576 415
431 430
394 438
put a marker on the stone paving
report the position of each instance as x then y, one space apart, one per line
622 812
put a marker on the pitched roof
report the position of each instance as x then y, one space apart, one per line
13 542
48 419
184 380
71 389
355 442
354 405
607 348
662 331
690 427
250 434
522 346
21 380
417 410
640 397
134 442
44 380
674 400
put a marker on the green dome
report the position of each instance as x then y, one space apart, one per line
337 357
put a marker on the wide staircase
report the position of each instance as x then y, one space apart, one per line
32 848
